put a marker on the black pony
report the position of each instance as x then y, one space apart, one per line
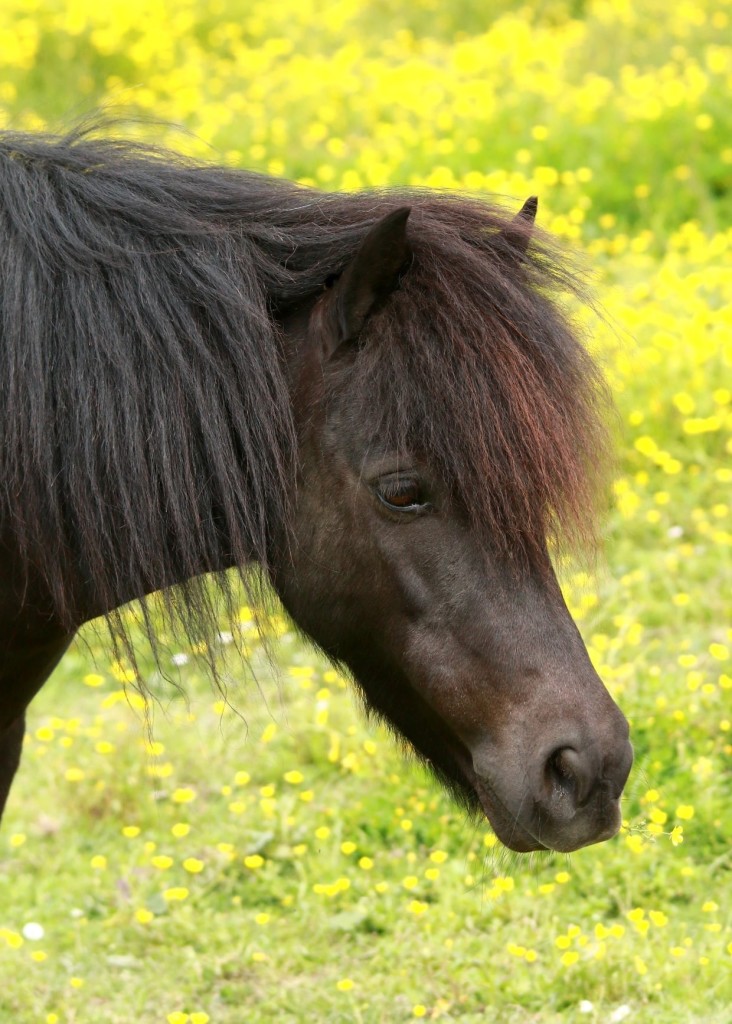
372 396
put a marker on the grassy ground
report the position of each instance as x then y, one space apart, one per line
292 866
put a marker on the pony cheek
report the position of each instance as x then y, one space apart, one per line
442 674
326 585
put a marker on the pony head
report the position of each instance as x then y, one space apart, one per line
447 429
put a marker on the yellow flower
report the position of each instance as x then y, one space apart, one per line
253 861
344 985
685 403
706 425
635 843
183 795
193 865
685 812
123 674
677 835
176 893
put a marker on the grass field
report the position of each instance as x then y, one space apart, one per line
283 861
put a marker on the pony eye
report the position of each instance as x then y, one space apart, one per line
403 499
401 495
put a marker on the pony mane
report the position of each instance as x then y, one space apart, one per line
144 409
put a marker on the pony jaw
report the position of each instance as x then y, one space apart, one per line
505 824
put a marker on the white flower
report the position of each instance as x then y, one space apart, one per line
620 1014
33 931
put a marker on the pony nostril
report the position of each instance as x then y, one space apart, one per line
567 775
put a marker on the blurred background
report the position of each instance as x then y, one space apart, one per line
293 866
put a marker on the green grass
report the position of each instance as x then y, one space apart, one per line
208 953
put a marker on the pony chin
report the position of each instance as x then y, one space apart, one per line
453 768
508 830
480 797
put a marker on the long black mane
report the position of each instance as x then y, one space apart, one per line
146 422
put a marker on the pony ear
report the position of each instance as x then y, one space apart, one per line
518 232
528 210
373 274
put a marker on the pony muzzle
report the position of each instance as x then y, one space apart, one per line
564 797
